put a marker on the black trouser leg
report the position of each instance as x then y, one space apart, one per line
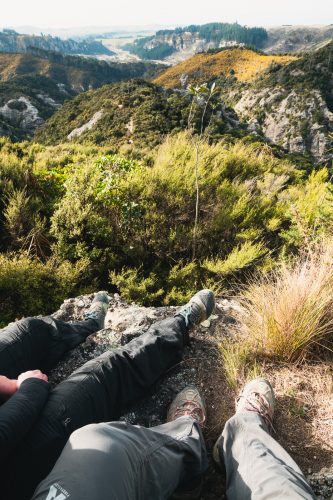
96 392
39 343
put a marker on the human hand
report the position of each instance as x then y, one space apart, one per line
31 374
8 387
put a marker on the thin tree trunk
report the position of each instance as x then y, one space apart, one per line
194 248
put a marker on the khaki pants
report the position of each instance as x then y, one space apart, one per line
118 461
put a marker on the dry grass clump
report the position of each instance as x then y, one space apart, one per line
290 310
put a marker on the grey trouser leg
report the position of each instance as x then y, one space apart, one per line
257 467
119 461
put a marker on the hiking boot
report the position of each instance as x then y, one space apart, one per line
188 403
198 309
98 309
257 396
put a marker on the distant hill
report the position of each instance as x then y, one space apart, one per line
174 46
241 63
10 41
177 44
32 88
297 38
77 73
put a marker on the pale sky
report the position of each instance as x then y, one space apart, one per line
74 13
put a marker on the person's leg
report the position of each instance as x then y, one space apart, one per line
99 391
33 343
119 461
39 343
124 462
257 467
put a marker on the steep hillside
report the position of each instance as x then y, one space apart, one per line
10 41
77 73
296 38
293 104
244 64
125 113
32 88
26 102
176 45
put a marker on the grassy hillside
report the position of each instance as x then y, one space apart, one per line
244 64
291 104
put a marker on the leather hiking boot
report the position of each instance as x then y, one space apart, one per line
257 396
98 309
188 403
198 309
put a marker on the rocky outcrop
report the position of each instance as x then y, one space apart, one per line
21 113
201 366
86 126
282 39
299 122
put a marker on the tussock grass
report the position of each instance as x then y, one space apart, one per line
290 310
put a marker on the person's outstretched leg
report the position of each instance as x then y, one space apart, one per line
119 461
257 467
39 343
101 389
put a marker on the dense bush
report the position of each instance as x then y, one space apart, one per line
133 222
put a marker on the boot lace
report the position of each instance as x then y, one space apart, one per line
258 403
191 409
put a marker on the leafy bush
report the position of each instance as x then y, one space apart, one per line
30 287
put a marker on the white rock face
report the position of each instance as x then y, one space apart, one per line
21 113
87 126
49 101
290 119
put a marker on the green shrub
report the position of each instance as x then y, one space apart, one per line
29 287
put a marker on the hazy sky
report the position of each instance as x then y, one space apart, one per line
73 13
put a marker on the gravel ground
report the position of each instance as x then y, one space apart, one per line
126 321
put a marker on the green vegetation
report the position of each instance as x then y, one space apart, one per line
223 31
47 81
104 220
157 52
312 71
135 114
